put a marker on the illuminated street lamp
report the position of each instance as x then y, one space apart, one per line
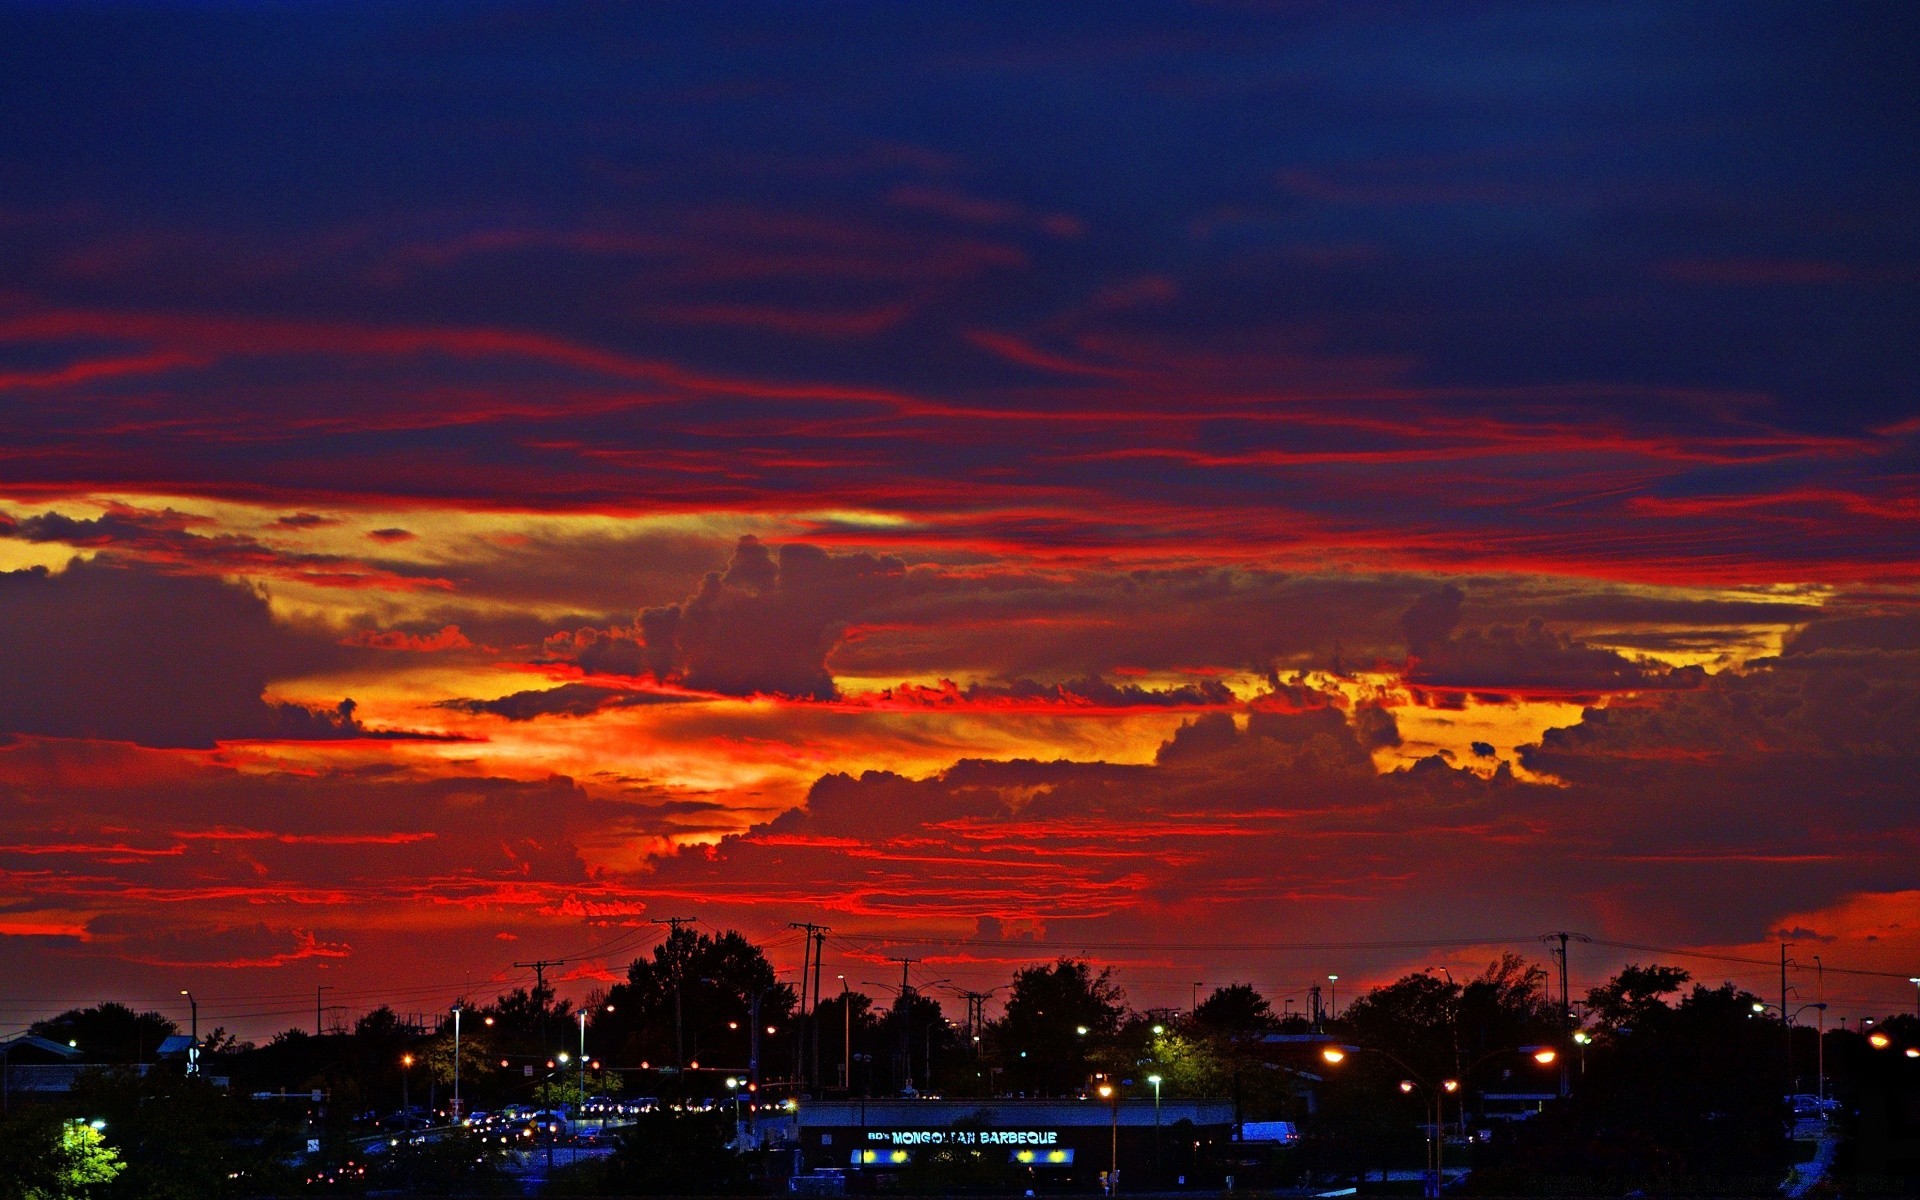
456 1062
193 1051
1334 1055
1879 1041
583 1066
1112 1096
406 1077
1155 1081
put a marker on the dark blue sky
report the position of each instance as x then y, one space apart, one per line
1467 418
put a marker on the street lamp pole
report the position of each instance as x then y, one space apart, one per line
1335 1054
193 1051
583 1064
846 1052
1111 1095
1155 1081
456 1062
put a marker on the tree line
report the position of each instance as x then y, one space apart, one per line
1669 1080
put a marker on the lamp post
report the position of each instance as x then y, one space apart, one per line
1111 1095
846 1052
193 1051
1334 1055
456 1062
1915 981
406 1100
1155 1081
1333 996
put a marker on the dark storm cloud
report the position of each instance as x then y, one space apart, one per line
1528 659
105 650
767 624
1664 816
567 700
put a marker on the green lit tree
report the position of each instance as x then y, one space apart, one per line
45 1158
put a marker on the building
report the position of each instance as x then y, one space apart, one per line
36 1068
1062 1142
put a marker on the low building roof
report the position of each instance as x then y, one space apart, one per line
13 1046
894 1113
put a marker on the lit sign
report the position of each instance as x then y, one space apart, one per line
964 1137
1027 1158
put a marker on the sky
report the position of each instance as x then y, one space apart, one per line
1239 491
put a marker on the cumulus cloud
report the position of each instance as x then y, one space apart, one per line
1527 660
767 624
105 650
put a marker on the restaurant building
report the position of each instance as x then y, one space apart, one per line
1063 1142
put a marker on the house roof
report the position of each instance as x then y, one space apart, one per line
27 1041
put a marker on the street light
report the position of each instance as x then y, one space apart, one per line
193 1051
1879 1041
406 1076
1112 1096
1915 981
1155 1081
456 1062
583 1066
1334 1055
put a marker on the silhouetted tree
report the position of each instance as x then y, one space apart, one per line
1038 1038
1236 1010
717 979
108 1033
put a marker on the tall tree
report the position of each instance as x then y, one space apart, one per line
696 992
1056 1017
108 1033
1673 1097
1234 1011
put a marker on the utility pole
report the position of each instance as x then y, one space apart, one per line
906 1023
679 969
1786 1018
540 992
1566 1007
846 1050
976 1016
819 951
1313 1007
809 961
317 1010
